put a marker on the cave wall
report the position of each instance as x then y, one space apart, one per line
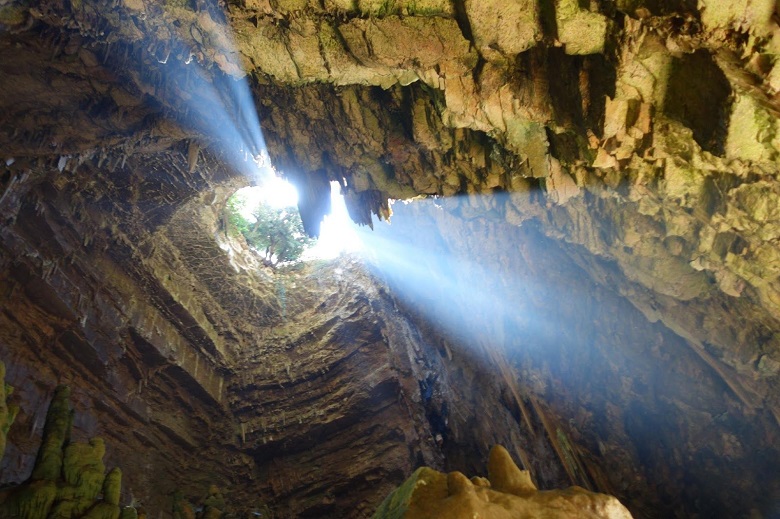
630 407
639 135
309 392
81 308
334 405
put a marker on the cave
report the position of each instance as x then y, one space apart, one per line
569 224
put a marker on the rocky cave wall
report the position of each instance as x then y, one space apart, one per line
309 392
630 407
641 136
81 308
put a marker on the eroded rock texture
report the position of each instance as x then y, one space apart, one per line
624 401
623 155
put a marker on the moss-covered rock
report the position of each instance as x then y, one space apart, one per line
128 512
7 412
33 500
56 431
68 477
182 509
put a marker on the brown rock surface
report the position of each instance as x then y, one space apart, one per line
618 157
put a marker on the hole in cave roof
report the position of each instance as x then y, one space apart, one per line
255 211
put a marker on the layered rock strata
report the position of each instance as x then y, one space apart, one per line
626 404
641 135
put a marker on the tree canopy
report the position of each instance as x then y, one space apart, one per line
276 234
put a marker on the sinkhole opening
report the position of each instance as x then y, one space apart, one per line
267 218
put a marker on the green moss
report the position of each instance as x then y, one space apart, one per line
30 501
56 431
112 487
215 498
103 511
182 509
12 15
67 477
396 504
7 413
427 8
83 468
128 512
67 508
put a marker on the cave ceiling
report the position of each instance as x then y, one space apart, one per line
637 140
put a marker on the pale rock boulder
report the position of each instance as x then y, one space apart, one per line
507 493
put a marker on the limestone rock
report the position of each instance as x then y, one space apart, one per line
624 152
503 29
504 476
431 494
579 30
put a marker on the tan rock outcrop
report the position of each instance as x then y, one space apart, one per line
508 492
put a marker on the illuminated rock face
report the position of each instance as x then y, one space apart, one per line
507 492
636 141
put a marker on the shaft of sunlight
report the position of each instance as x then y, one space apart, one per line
453 289
220 106
338 233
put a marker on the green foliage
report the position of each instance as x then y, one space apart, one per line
237 224
276 234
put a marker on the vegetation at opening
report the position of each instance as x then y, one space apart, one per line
276 234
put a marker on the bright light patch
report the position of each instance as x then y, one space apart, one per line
278 193
274 192
337 233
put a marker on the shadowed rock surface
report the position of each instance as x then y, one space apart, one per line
593 281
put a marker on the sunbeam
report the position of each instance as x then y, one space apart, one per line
220 105
338 233
442 285
457 279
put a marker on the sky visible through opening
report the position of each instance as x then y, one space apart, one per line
337 233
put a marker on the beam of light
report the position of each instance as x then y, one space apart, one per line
338 233
439 286
219 105
272 191
467 300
